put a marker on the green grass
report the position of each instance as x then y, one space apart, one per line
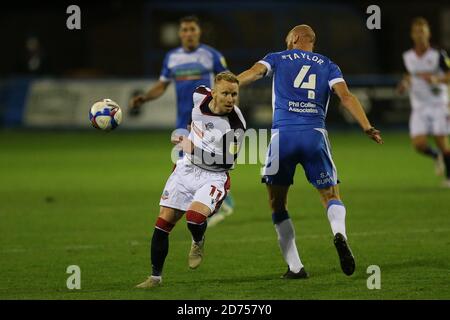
91 199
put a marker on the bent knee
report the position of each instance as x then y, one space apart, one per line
420 144
170 215
420 147
329 194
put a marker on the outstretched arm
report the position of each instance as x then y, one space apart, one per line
153 93
251 75
352 104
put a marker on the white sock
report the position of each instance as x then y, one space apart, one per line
336 216
286 240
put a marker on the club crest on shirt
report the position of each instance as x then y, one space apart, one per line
209 126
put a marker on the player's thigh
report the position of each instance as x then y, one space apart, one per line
281 159
176 193
170 214
277 197
328 194
317 160
212 193
420 142
440 124
419 126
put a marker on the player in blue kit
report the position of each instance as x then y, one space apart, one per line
191 65
302 86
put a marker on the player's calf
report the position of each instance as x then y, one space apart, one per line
160 245
336 216
197 224
427 151
286 240
336 213
422 146
446 158
158 252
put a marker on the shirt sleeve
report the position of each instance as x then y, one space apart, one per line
220 64
444 61
335 75
166 74
269 61
406 62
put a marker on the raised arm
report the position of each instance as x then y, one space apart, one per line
352 104
251 75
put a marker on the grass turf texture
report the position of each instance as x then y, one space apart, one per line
91 199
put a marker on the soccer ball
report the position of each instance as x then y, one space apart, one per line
105 115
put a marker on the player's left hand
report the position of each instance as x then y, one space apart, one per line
374 134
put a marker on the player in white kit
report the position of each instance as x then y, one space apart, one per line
427 78
200 181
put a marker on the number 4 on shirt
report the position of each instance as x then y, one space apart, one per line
310 84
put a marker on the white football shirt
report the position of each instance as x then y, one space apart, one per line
423 94
217 138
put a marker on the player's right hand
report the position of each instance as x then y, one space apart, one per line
374 134
175 139
402 87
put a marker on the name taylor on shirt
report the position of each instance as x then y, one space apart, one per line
302 55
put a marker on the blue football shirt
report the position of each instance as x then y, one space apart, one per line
189 70
301 89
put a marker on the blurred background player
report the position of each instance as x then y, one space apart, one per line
302 84
191 65
200 180
33 60
427 78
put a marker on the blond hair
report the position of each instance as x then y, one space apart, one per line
420 21
226 76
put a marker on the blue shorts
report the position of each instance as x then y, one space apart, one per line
183 119
310 148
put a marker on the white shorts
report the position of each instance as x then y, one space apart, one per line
189 183
429 121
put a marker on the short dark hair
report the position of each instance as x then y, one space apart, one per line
190 18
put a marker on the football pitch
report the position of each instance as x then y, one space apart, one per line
91 199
